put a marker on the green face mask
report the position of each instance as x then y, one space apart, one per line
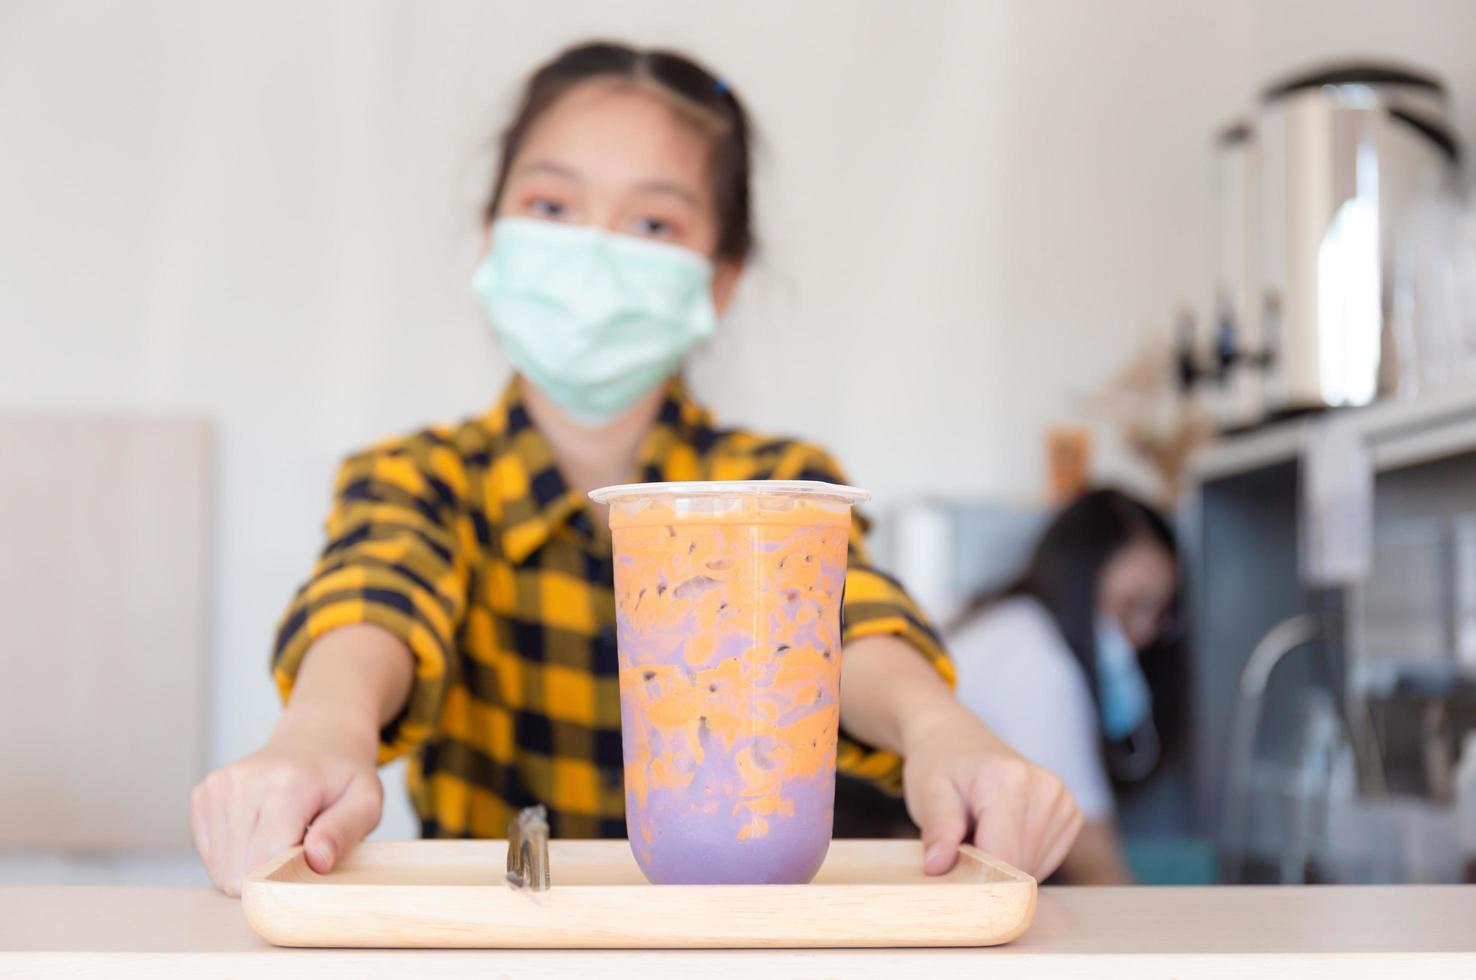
594 319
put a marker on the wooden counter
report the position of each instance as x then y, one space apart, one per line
1323 931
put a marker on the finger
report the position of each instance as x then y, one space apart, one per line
999 812
1064 828
215 805
1044 817
944 820
236 815
1065 814
218 822
207 830
344 822
283 821
1061 846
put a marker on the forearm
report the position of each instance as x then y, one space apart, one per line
889 693
352 681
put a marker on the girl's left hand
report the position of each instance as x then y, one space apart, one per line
963 783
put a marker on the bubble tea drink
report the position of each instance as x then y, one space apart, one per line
727 600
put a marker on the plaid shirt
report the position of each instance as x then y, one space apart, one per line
467 544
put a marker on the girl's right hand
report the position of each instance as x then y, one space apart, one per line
314 783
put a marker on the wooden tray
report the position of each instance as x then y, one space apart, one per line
453 894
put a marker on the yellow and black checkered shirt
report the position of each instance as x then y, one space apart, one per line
467 544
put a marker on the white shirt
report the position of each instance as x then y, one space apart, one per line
1017 673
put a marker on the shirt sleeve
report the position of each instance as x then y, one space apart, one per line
875 604
391 560
1015 672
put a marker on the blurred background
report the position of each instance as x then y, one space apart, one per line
1006 248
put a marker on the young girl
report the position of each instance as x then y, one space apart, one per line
1071 665
462 611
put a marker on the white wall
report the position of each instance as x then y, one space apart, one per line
265 213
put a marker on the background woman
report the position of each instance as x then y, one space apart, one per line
1071 663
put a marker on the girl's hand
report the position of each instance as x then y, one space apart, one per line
963 783
313 783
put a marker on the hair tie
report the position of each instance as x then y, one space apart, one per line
720 86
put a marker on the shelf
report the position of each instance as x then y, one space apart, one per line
1398 434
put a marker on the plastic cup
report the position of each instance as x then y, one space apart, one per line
727 603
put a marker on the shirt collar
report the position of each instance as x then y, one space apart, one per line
527 494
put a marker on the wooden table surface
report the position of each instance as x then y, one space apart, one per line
1320 931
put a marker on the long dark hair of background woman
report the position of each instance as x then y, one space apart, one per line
1064 574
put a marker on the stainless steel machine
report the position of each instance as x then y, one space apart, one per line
1312 194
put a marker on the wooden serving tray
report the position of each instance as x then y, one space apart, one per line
453 894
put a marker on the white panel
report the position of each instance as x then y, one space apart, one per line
104 544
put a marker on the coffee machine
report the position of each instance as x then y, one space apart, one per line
1311 194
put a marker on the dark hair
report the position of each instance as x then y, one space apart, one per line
1064 573
708 101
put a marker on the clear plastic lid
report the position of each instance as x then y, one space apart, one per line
630 492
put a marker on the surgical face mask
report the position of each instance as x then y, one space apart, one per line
1123 699
594 319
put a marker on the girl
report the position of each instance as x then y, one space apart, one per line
461 610
1070 664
